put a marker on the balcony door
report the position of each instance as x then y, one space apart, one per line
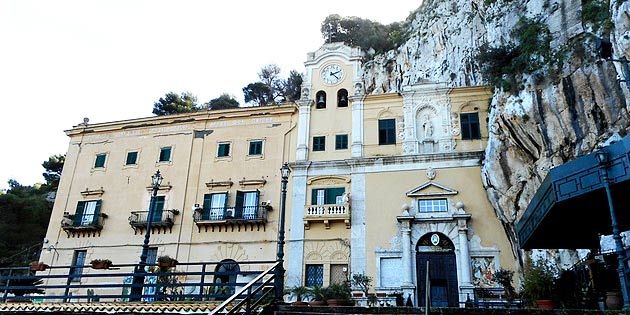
327 196
246 205
158 210
86 212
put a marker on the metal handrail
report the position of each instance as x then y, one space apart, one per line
58 282
230 213
251 292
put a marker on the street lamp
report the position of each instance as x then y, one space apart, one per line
284 171
156 181
602 158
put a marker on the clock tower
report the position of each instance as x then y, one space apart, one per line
331 105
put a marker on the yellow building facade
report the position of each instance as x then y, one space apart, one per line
381 184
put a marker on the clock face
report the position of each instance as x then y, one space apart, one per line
332 74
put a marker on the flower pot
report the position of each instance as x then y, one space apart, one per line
334 302
38 266
613 300
545 304
299 303
317 303
100 265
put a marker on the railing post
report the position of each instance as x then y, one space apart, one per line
202 282
6 286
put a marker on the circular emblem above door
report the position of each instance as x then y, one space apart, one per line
435 239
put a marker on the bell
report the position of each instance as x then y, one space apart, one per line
343 100
321 100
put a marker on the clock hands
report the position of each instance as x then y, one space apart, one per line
334 74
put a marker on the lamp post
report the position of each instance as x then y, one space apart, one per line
138 281
602 158
284 171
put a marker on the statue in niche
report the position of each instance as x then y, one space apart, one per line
427 125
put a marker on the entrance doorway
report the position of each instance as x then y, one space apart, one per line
437 251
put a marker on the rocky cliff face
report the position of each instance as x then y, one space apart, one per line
564 107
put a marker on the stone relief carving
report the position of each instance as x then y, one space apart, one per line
326 251
455 128
305 93
358 89
400 121
431 173
427 126
230 251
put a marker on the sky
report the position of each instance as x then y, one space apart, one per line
109 60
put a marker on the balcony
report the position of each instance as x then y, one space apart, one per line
234 218
326 214
75 226
139 219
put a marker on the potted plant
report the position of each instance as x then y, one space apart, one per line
299 292
101 263
361 282
538 283
338 294
318 295
38 266
504 278
165 262
29 285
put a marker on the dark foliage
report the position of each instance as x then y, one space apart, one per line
173 103
225 101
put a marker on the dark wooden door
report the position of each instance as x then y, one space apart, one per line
442 276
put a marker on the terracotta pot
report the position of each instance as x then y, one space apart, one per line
299 303
334 302
614 300
317 303
545 304
100 265
38 266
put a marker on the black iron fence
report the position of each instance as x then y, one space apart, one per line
193 281
164 218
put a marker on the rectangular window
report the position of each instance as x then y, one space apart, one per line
78 260
319 143
386 131
327 196
470 126
432 205
214 206
165 154
341 142
314 275
132 158
87 213
152 255
100 160
338 273
255 147
223 149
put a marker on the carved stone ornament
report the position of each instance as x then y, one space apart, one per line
305 93
455 128
431 173
358 89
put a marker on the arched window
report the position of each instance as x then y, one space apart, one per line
320 100
226 272
342 98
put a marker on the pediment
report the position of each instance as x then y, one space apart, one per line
431 189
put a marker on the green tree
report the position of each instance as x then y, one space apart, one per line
53 167
367 34
257 93
173 103
224 101
272 88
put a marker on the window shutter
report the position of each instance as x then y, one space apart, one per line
331 194
314 197
97 212
225 205
207 204
238 204
159 207
78 215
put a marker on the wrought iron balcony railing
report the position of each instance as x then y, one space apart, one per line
162 220
245 216
122 284
326 214
85 224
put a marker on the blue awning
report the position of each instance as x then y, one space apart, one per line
570 209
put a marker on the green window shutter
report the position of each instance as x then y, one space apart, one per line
97 211
100 160
132 158
238 204
331 194
165 154
207 204
78 215
314 196
159 207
